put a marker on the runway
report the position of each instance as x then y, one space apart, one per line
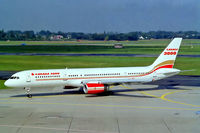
126 109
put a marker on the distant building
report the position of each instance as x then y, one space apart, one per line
56 37
118 45
69 36
141 38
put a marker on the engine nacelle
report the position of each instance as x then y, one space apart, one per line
94 88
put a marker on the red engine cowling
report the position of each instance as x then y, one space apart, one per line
94 88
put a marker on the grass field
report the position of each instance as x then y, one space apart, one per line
185 49
152 41
131 47
18 63
2 86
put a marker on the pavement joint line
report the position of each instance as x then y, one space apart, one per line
56 129
163 97
70 125
102 105
118 125
165 123
24 122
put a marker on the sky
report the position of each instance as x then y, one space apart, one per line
91 16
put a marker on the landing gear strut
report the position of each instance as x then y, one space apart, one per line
28 92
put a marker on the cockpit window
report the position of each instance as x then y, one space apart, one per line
14 77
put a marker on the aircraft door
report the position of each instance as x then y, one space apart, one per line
125 74
65 75
28 78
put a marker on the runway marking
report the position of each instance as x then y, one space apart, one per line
169 93
141 92
101 105
149 94
56 129
163 97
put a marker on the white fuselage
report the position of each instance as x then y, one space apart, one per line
76 77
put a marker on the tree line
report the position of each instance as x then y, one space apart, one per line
45 35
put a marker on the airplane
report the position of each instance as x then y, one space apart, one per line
98 80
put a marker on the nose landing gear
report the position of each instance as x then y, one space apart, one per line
28 92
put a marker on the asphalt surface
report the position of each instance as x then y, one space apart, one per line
127 109
171 105
117 55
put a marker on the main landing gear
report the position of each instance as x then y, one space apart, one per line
28 92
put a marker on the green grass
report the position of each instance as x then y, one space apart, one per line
154 46
2 86
167 41
18 63
188 64
152 41
185 49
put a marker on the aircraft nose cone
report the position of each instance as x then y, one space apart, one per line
7 83
11 83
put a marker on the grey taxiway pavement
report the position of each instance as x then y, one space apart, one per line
126 109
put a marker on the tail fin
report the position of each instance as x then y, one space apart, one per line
168 56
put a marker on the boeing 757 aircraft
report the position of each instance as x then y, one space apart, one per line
98 80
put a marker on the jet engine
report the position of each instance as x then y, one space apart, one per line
94 87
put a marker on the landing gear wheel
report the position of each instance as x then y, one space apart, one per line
28 92
29 95
81 90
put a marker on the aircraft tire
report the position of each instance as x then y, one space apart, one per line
29 95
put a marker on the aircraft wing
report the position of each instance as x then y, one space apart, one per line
115 81
100 85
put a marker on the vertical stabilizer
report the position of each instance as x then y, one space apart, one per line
168 56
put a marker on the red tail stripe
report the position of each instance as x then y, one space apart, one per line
166 66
